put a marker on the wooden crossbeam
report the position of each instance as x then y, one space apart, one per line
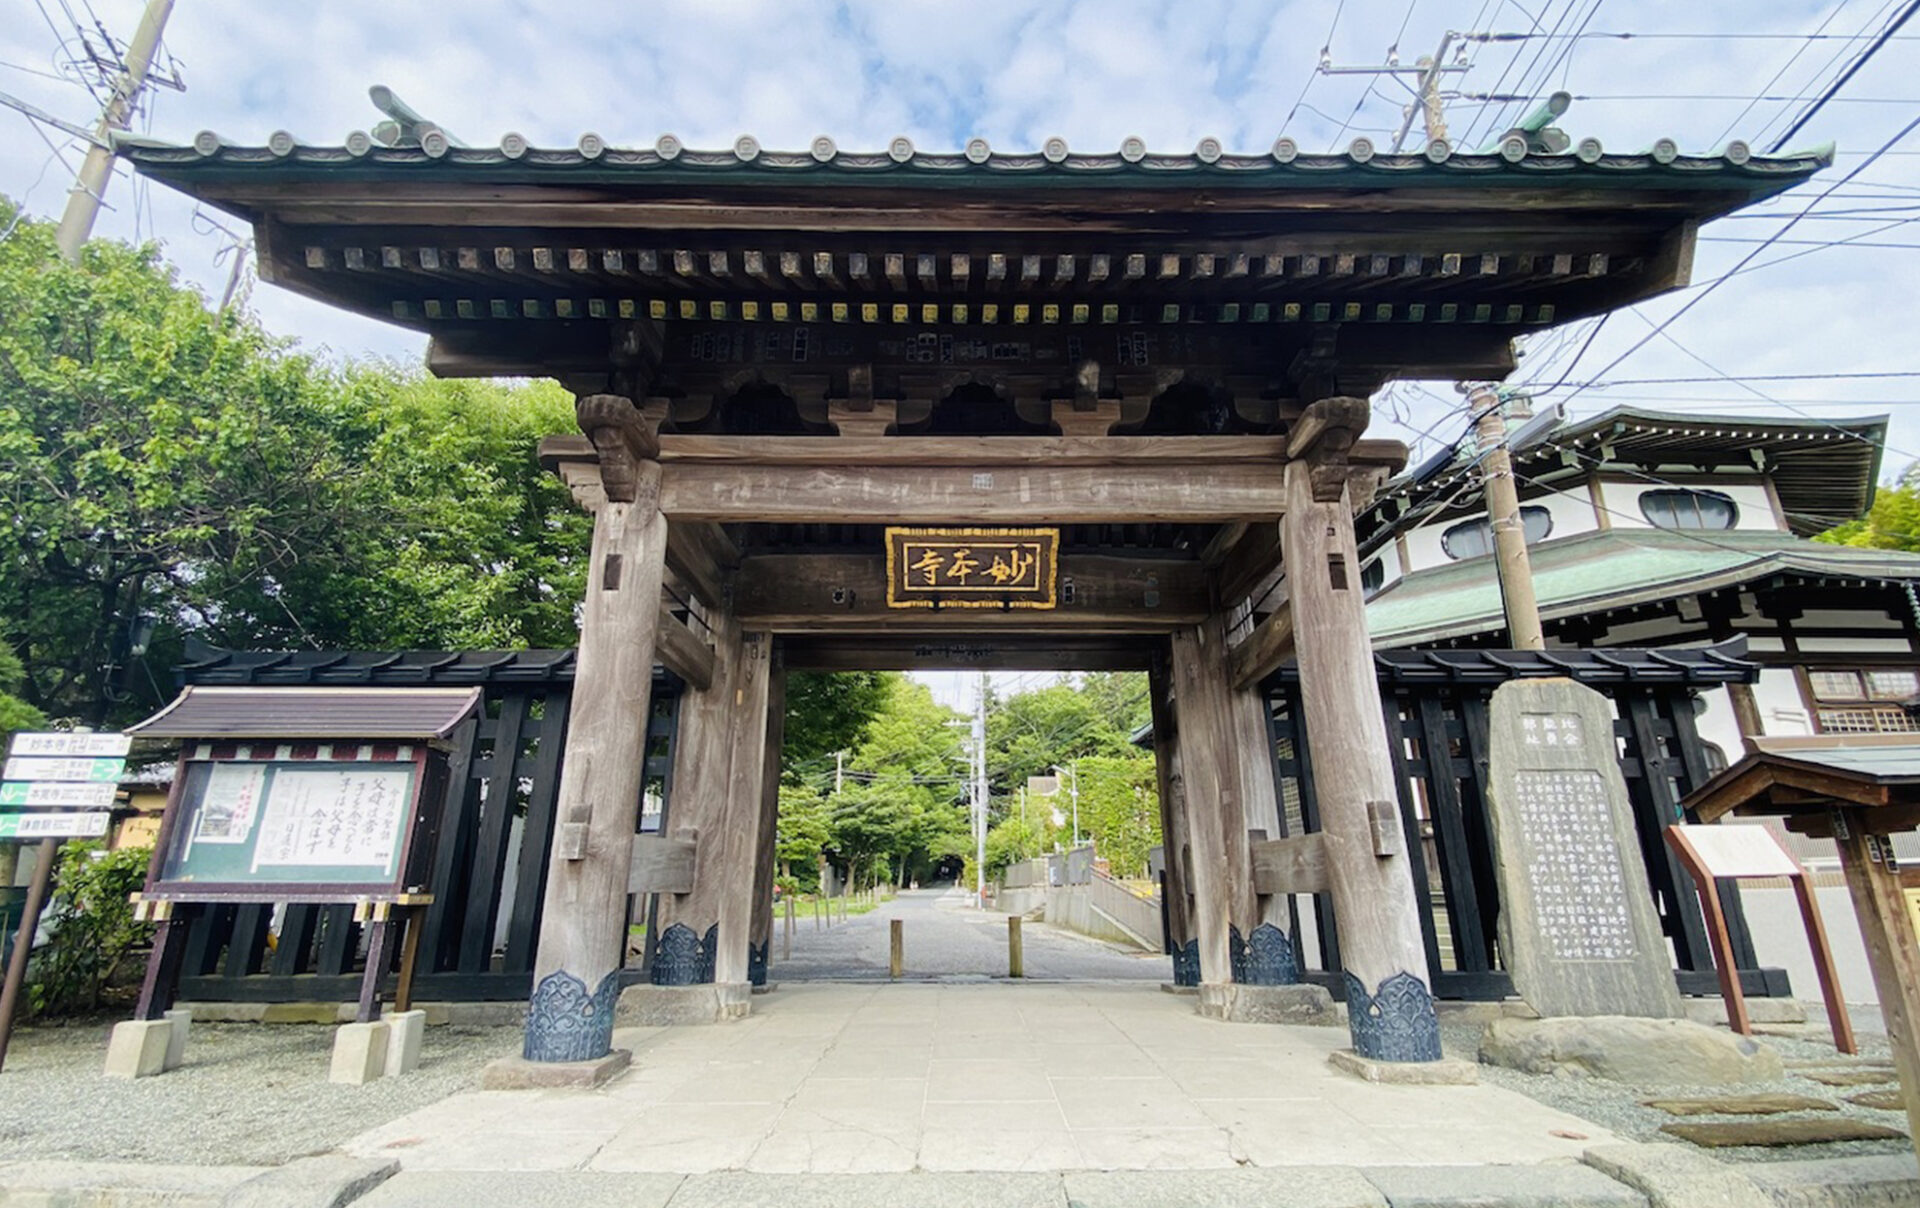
682 652
1261 652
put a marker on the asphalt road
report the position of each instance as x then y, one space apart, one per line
945 938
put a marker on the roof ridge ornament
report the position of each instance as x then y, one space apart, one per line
823 150
978 151
1054 150
668 147
900 150
1133 149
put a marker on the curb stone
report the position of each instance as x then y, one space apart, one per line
1294 1186
1881 1181
1550 1185
45 1184
327 1181
1672 1177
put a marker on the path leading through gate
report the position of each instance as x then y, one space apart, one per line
946 939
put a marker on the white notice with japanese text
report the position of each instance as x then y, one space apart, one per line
334 818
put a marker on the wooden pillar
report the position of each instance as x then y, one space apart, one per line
718 764
1389 1002
576 971
1223 906
760 937
1175 894
1893 952
1268 958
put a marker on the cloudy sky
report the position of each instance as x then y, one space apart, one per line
1833 294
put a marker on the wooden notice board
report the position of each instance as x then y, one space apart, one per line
297 830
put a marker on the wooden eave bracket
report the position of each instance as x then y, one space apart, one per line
623 436
1324 436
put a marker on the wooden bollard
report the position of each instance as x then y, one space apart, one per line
1016 955
897 960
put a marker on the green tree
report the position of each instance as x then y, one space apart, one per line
803 833
828 712
1120 810
1893 522
903 786
1029 733
15 714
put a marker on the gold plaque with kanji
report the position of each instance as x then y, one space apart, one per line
972 568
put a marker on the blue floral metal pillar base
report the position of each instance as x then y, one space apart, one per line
1396 1022
566 1023
1265 958
685 958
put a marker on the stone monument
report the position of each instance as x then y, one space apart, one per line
1577 922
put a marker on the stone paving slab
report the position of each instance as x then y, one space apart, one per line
544 1189
119 1184
1867 1077
1730 1134
1882 1181
1887 1101
1297 1187
736 1190
1673 1176
1549 1185
1741 1105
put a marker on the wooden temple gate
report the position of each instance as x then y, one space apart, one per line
1163 360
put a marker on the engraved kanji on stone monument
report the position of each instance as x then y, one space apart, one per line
1577 921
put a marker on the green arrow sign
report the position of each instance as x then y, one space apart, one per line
23 767
52 826
52 793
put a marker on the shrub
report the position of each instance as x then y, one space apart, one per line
91 931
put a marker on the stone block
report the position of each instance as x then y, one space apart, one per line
1170 988
1741 1105
1642 1052
47 1184
666 1006
1881 1181
1299 1004
323 1181
1542 1186
523 1189
359 1053
1445 1072
406 1031
1293 1186
519 1074
1759 1011
181 1021
227 1012
1673 1176
480 1014
921 1189
138 1048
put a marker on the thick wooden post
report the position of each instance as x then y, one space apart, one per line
760 937
1893 952
1175 893
1389 1002
719 762
1223 906
1269 958
576 972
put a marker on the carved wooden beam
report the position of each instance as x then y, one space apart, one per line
1324 436
1261 652
682 652
622 437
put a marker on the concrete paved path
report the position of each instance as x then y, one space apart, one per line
945 937
831 1078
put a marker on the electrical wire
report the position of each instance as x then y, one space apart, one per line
1873 48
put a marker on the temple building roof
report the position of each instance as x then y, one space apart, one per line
1259 277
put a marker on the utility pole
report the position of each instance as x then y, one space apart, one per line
1497 487
1426 100
83 201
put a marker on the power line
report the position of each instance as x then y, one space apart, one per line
1872 49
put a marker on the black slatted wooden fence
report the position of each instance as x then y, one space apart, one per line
1436 709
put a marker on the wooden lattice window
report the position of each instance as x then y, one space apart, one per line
1865 701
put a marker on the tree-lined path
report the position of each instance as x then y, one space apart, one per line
947 938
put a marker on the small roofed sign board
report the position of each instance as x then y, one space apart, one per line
972 567
307 795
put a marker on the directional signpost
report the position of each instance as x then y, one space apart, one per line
49 782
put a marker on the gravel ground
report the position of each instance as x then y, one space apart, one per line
1617 1106
247 1094
943 937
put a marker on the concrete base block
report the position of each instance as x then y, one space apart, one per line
519 1074
1170 988
181 1021
1301 1004
406 1031
138 1048
1881 1181
1483 1013
766 988
303 1012
359 1052
665 1006
1759 1010
323 1181
1445 1072
1622 1048
1676 1176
